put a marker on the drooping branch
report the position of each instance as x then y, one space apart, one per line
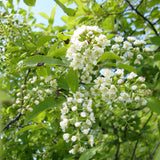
146 19
22 102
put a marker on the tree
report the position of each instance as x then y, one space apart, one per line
85 90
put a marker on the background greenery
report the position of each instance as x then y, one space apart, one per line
36 135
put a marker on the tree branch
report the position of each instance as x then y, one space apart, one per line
22 102
136 144
155 149
147 20
139 4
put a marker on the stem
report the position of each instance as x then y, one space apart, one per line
117 152
22 102
136 144
155 149
147 20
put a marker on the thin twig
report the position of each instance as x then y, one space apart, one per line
155 149
22 102
147 20
136 144
134 150
139 4
117 152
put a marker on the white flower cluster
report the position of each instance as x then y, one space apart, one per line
84 53
37 94
77 113
130 50
103 91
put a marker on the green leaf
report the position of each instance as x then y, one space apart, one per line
51 19
44 15
34 60
68 11
49 102
4 96
42 72
89 153
31 128
60 52
108 55
154 104
42 40
155 40
72 79
30 2
63 37
127 67
108 23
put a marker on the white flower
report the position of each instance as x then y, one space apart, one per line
81 149
139 57
65 109
64 124
131 39
107 72
74 108
115 47
119 39
147 49
26 97
113 89
66 137
131 76
127 45
36 102
74 138
95 90
83 114
134 87
91 117
120 81
85 131
137 98
86 78
48 91
143 101
91 140
140 79
53 83
88 122
139 42
137 61
72 151
77 124
34 89
120 72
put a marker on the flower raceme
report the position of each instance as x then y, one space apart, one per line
103 91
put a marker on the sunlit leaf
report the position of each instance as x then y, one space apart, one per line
34 60
30 2
68 11
42 40
126 67
108 55
44 15
155 40
49 102
31 128
88 154
154 104
72 79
